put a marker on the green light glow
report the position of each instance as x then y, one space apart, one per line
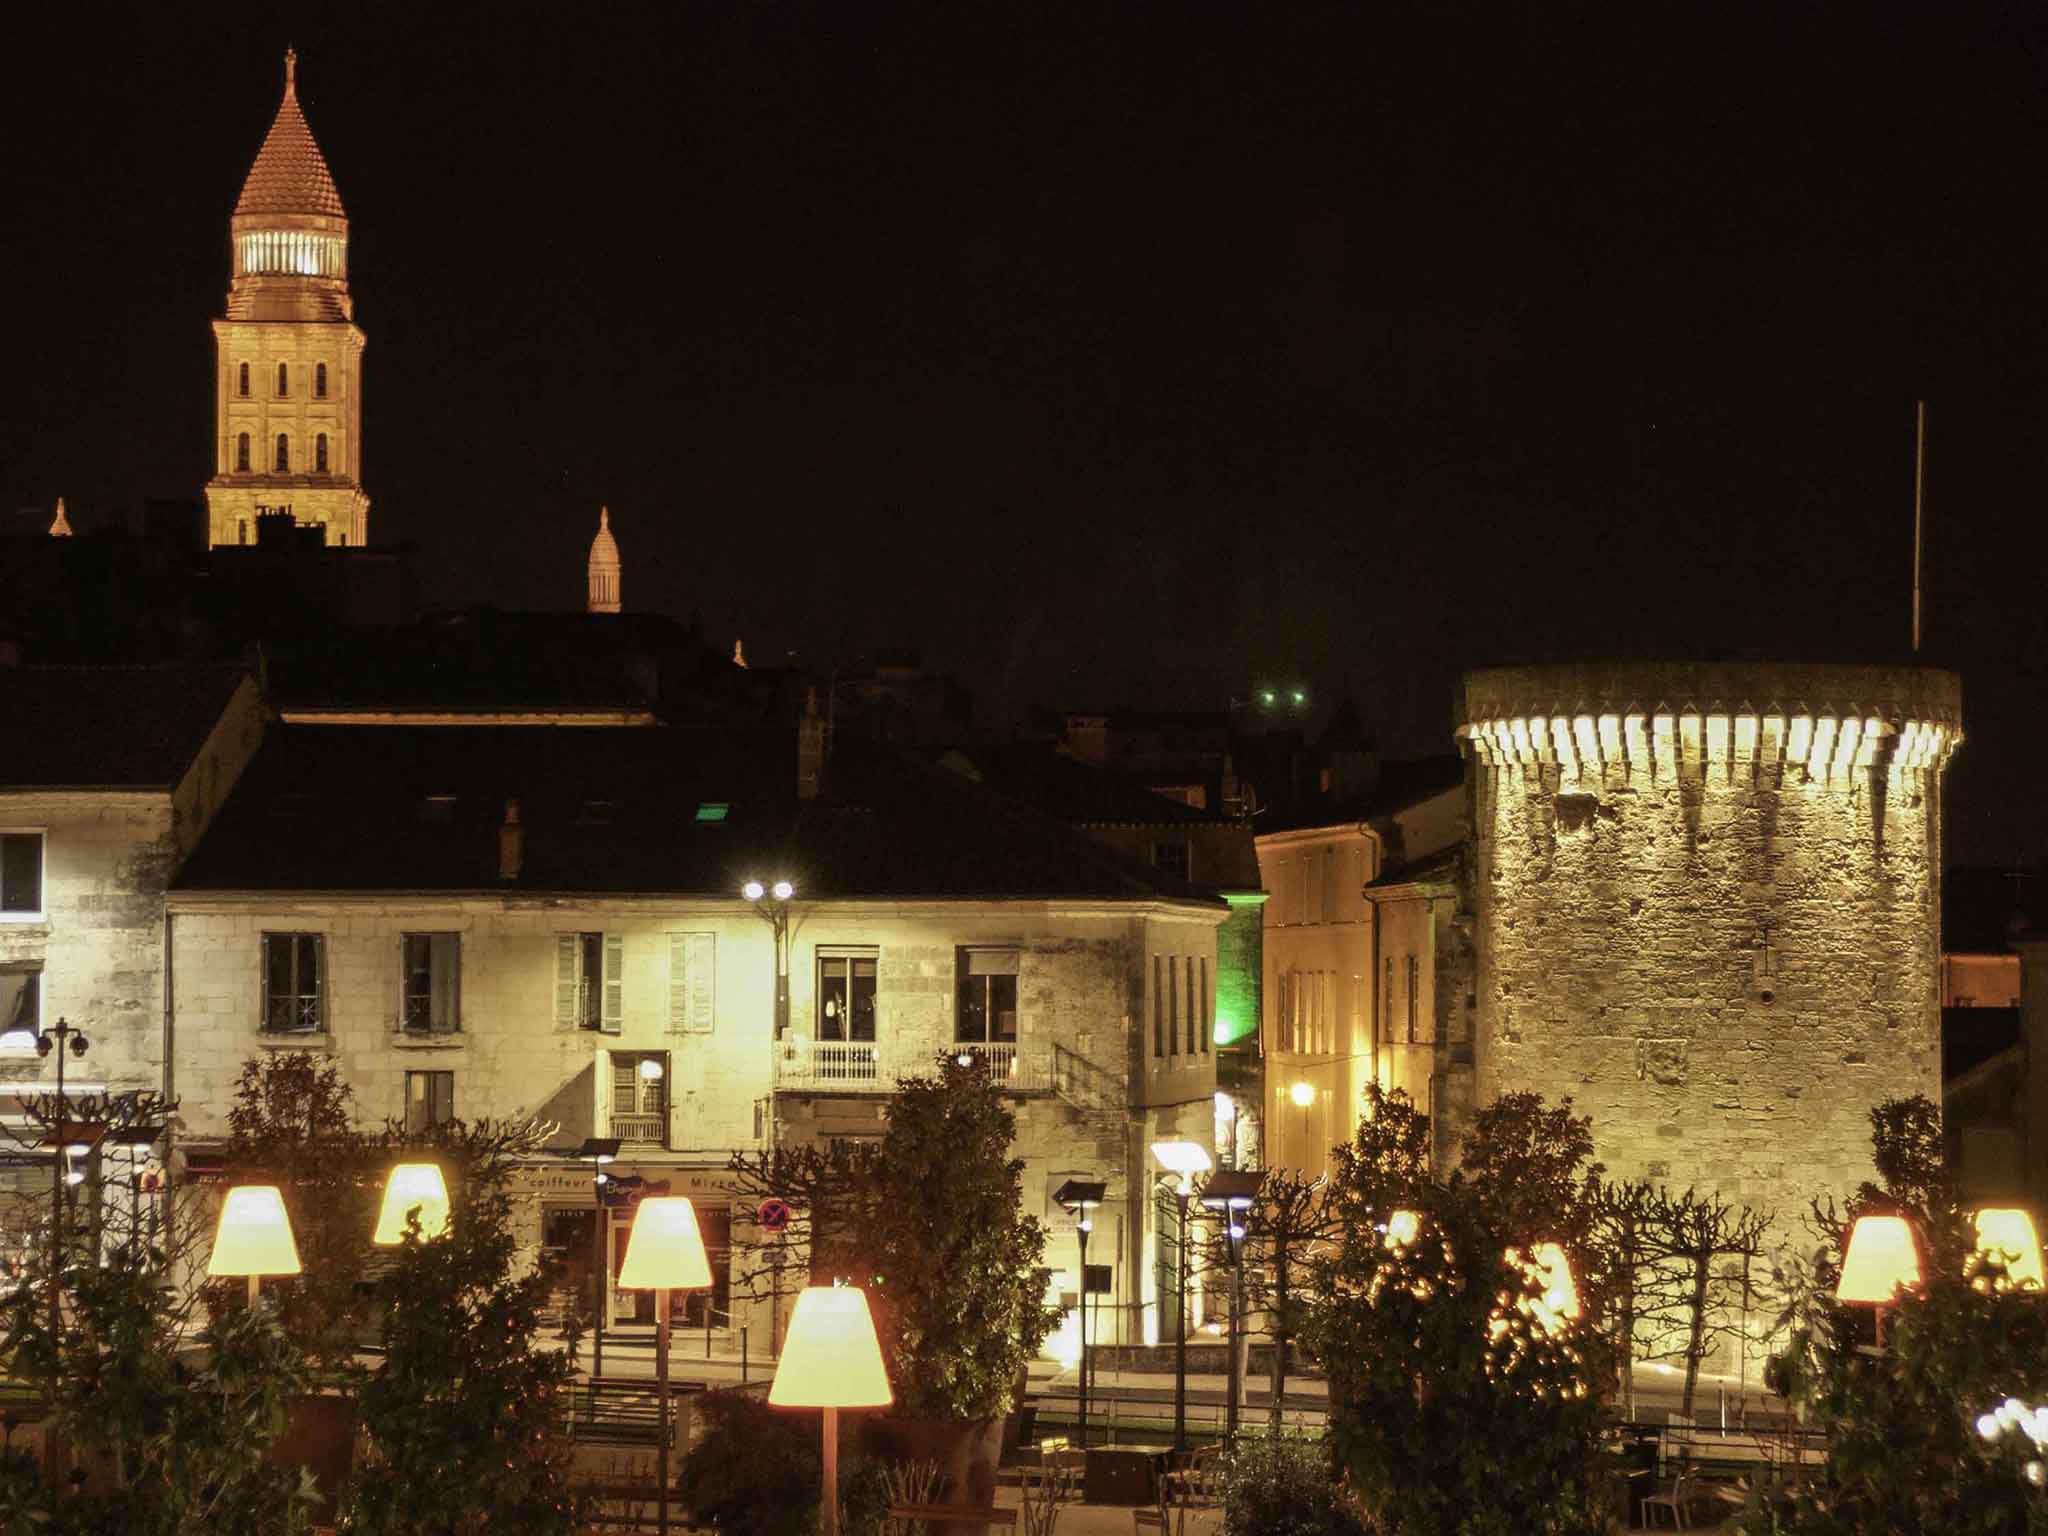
713 810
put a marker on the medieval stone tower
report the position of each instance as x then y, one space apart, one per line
288 358
1706 905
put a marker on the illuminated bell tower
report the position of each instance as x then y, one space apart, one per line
288 358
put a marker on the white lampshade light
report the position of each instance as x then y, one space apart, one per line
1880 1261
831 1358
664 1249
412 1185
2008 1235
1186 1158
254 1235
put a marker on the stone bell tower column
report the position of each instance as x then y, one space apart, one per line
288 357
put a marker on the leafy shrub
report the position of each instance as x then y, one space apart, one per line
1283 1485
755 1471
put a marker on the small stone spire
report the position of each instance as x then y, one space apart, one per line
739 654
60 526
291 70
604 566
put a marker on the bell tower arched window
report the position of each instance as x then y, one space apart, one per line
320 454
243 382
319 381
284 454
242 453
283 381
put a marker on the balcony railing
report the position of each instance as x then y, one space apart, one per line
641 1130
836 1066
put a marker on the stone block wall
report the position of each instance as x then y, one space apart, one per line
1706 907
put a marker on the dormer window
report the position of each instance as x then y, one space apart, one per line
437 808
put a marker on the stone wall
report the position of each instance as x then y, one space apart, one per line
1706 905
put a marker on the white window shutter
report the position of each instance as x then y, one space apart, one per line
614 983
692 982
679 979
567 982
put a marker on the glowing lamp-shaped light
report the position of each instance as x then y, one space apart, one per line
1881 1259
2008 1236
254 1237
831 1360
664 1250
1302 1094
410 1186
1403 1227
1559 1303
1186 1158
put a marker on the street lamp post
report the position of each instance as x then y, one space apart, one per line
1186 1159
1077 1197
664 1252
600 1150
1233 1191
65 1041
833 1361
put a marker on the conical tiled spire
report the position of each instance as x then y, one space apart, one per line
60 527
290 175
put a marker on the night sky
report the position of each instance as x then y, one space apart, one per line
1119 354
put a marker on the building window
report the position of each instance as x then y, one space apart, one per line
1172 1006
242 453
640 1097
292 992
692 982
1414 972
21 876
846 996
429 1100
1158 1006
1198 993
242 381
1171 859
988 997
1387 986
21 1004
590 986
319 381
283 381
320 454
284 454
433 979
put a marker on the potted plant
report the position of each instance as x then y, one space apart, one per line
953 1268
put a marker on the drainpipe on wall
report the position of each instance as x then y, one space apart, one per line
170 1088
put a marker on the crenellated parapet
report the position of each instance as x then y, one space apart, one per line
1712 722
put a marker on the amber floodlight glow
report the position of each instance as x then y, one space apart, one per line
1880 1261
254 1237
2008 1236
831 1360
409 1185
1403 1227
1302 1094
1559 1303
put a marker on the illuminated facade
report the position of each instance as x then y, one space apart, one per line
1706 907
288 356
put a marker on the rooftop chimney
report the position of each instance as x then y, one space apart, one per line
810 748
511 843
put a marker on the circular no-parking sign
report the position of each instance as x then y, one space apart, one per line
773 1215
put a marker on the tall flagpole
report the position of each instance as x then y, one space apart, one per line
1919 495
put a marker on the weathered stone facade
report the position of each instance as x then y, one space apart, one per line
1706 906
1091 1092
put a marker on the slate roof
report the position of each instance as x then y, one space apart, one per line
1062 785
1399 785
614 811
107 727
290 174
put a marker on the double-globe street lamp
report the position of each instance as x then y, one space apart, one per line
1233 1192
1184 1159
1077 1197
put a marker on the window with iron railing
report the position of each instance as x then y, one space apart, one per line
294 1001
846 995
640 1097
988 996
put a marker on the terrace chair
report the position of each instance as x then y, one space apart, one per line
1677 1503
